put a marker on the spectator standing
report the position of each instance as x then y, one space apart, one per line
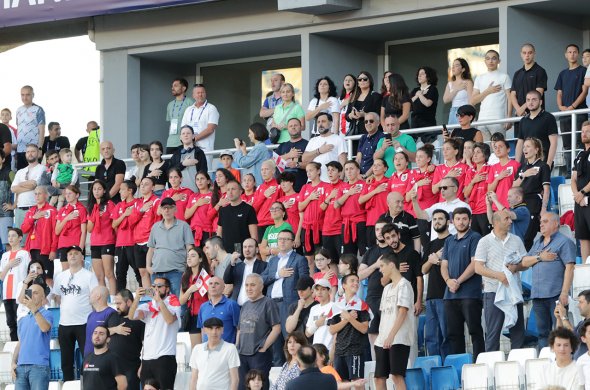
101 368
310 377
374 198
580 189
459 90
30 360
397 103
220 260
347 94
552 258
424 102
162 319
8 139
285 111
168 243
501 175
177 192
189 158
453 166
87 149
237 272
325 148
317 322
369 142
354 228
405 222
392 142
476 188
215 362
54 141
464 116
265 195
71 224
203 118
251 161
273 98
237 221
492 90
219 306
365 100
299 311
158 168
269 244
331 232
519 214
324 100
259 327
126 337
30 121
175 112
199 211
111 170
71 289
24 183
291 152
290 201
101 311
462 300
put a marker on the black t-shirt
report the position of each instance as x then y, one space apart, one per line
541 127
128 348
436 283
374 287
465 134
5 137
57 144
234 221
349 341
528 80
397 111
422 115
407 225
300 175
108 175
99 371
163 178
372 103
410 256
303 316
81 145
532 186
582 168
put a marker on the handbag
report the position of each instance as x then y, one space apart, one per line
353 128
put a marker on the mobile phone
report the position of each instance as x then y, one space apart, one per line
444 130
149 292
29 293
388 136
238 247
241 142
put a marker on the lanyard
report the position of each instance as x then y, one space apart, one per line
179 108
201 114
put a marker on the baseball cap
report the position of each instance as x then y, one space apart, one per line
74 248
226 153
322 282
167 202
304 283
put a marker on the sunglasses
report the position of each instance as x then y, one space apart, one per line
445 187
369 121
363 79
158 285
460 115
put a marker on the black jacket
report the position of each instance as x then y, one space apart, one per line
312 378
235 275
197 154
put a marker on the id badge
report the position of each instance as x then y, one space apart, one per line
174 126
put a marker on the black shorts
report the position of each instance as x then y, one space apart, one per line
392 361
374 304
43 259
350 367
582 223
191 324
313 246
96 252
139 256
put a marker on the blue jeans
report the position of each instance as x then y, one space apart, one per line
436 329
32 377
173 276
544 308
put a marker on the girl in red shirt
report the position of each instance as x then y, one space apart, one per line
290 200
199 211
422 179
177 192
452 167
374 198
399 180
310 197
102 235
218 200
354 216
71 225
249 185
476 188
193 290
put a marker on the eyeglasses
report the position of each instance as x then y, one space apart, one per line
284 239
363 79
445 187
369 121
276 209
320 259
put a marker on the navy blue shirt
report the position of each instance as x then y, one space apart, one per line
226 310
458 252
300 175
570 83
521 223
367 146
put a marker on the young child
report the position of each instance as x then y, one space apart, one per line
64 173
254 380
583 362
51 160
348 264
226 161
5 118
322 263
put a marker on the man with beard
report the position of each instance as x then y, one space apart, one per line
101 369
436 325
291 152
462 298
369 268
327 147
580 188
24 184
406 223
126 337
175 111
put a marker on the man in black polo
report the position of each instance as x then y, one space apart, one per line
54 140
406 223
540 124
291 152
111 170
530 77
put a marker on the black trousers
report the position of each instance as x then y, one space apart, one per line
124 260
10 305
360 245
67 336
334 245
163 369
480 224
459 312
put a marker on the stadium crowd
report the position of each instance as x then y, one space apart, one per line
299 258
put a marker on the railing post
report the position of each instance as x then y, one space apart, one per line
573 135
349 147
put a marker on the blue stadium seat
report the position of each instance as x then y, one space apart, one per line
56 374
457 361
426 363
415 379
421 340
555 182
444 378
55 325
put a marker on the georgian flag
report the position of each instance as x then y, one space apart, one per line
281 164
202 282
355 303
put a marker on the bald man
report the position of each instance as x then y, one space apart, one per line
219 306
111 170
101 311
410 235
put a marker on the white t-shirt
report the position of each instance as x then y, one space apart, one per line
214 365
74 290
494 105
567 377
13 280
400 295
322 334
583 365
199 119
324 158
334 106
159 338
461 98
27 198
449 207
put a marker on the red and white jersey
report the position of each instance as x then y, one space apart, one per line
18 273
504 184
160 337
443 169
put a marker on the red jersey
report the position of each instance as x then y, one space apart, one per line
201 221
334 216
72 230
248 198
102 233
425 196
352 211
477 198
142 222
262 204
181 203
320 275
313 215
442 170
291 203
506 183
124 235
377 205
41 231
398 182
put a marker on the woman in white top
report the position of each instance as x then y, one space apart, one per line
324 100
459 89
563 371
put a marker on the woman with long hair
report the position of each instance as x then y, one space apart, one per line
71 224
374 198
349 90
424 102
458 91
269 244
218 199
290 200
287 110
476 188
193 291
385 84
290 369
324 100
198 211
177 192
397 103
158 168
249 185
354 215
144 159
399 180
453 166
365 101
102 235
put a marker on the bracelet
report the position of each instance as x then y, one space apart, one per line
447 279
326 203
318 150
